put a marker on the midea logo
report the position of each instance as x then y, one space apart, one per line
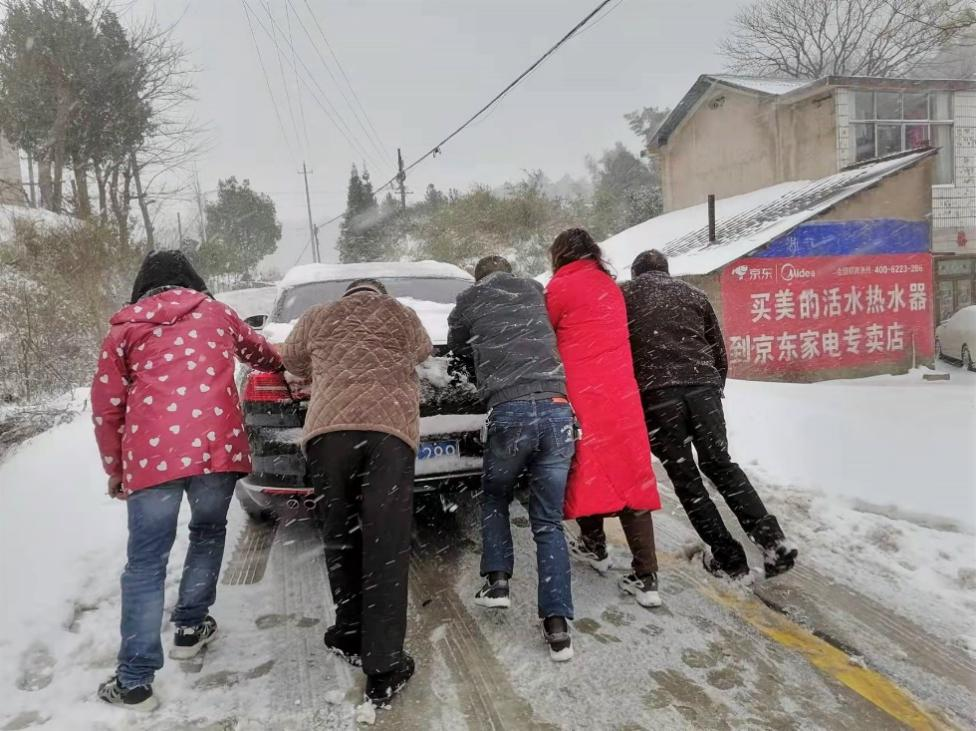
788 273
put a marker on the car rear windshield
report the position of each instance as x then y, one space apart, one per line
293 302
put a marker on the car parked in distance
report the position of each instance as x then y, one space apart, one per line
956 337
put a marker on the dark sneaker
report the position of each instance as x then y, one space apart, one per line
381 687
494 594
779 559
643 588
346 645
555 631
599 560
140 698
189 641
735 572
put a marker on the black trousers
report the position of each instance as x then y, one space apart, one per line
678 418
364 483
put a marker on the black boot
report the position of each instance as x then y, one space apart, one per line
779 559
345 644
726 562
381 687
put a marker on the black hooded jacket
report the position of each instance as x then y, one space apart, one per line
500 326
675 336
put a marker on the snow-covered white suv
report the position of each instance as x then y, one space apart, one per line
451 414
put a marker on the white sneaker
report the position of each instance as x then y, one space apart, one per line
600 564
644 589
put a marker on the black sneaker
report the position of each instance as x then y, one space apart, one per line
140 698
189 641
555 631
346 645
735 572
381 687
599 560
779 559
494 594
643 588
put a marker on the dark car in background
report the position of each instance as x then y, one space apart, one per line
452 416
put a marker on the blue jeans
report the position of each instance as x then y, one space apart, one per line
153 515
534 437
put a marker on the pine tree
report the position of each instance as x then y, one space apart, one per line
358 235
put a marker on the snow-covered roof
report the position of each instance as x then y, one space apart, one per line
372 270
745 222
761 85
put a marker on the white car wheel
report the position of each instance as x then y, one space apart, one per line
967 359
938 350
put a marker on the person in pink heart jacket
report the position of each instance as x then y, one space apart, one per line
168 421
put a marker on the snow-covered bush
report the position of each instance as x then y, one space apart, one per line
58 287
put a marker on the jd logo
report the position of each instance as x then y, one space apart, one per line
788 273
740 271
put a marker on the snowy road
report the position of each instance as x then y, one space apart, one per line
874 629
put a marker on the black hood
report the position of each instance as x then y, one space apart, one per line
166 269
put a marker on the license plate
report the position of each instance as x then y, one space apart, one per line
439 448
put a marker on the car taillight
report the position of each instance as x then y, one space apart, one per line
266 387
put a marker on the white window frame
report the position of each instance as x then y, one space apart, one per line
874 121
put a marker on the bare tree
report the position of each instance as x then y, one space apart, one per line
815 38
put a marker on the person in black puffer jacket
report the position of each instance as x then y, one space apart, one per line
681 368
500 328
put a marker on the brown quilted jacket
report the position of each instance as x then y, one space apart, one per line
361 355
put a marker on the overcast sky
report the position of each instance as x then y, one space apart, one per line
420 67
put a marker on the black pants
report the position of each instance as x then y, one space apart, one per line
364 482
680 417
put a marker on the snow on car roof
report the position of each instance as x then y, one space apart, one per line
745 222
371 270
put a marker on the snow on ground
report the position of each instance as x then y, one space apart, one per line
10 214
875 480
905 447
863 475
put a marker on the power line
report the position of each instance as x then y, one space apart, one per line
284 82
348 136
264 73
294 66
342 71
436 149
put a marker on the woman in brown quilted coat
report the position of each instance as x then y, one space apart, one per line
361 436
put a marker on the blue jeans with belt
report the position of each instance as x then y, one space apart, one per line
153 515
534 437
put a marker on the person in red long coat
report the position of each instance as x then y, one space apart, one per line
611 473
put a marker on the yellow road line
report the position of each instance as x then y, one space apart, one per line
869 684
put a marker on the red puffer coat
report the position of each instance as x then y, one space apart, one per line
164 400
612 468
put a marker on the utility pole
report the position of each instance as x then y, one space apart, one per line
401 181
311 226
179 228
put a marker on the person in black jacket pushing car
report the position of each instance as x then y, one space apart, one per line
500 329
681 368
